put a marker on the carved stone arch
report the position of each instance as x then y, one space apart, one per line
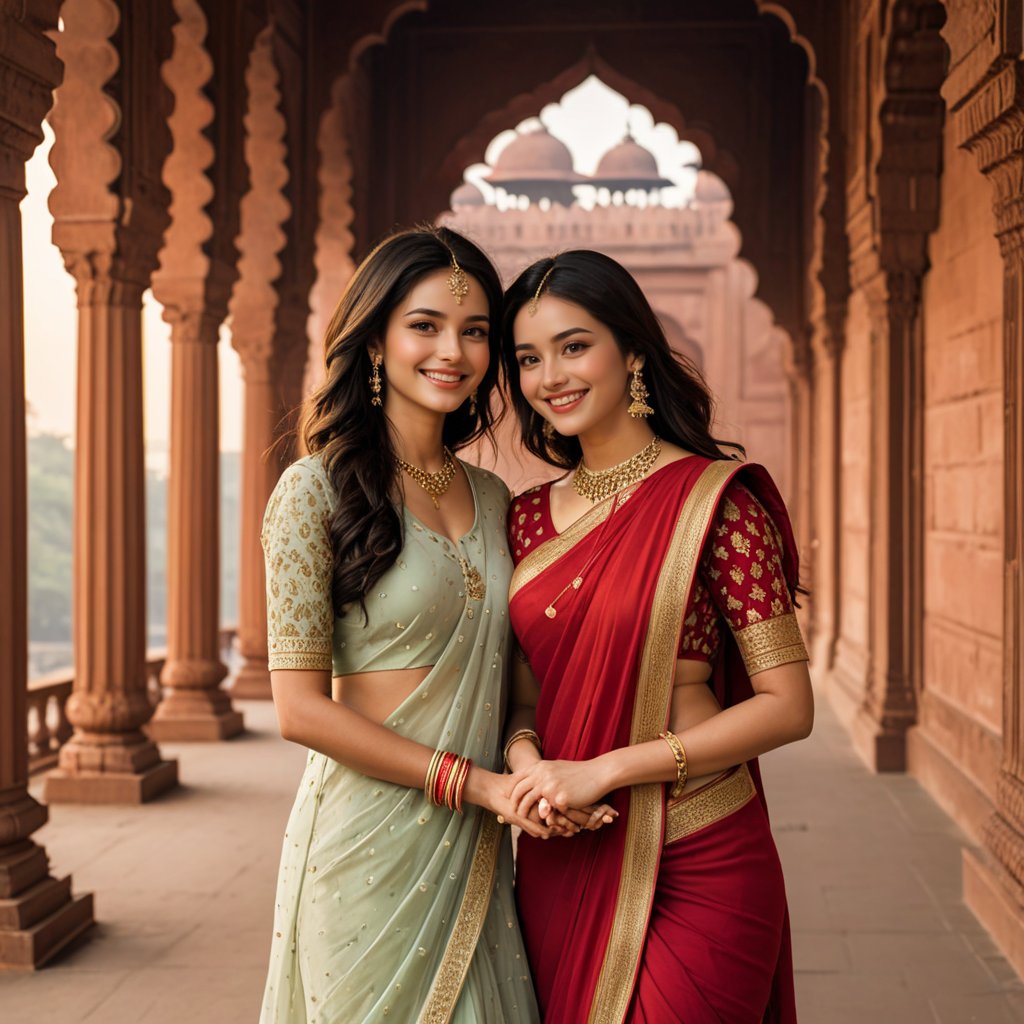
334 241
473 145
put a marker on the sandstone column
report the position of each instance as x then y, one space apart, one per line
38 914
825 496
892 209
193 282
989 120
269 312
890 708
109 214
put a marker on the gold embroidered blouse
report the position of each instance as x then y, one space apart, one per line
413 609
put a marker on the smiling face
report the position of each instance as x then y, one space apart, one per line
435 350
571 369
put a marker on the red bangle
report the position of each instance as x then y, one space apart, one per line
447 764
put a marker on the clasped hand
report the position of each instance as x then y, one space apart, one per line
564 796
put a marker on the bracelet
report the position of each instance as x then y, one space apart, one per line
446 779
522 734
680 755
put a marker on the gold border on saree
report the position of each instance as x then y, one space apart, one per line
702 807
562 543
451 972
642 854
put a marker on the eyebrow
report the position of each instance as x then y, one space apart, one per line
560 336
423 311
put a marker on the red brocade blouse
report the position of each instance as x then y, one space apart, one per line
739 579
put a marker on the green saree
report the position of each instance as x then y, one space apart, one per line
388 908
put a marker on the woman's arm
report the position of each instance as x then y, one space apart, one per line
307 715
523 755
781 711
522 712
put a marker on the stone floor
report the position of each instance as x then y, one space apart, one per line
183 893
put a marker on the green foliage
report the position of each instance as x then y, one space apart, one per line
50 480
50 518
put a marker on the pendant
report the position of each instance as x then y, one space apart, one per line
550 612
433 498
475 587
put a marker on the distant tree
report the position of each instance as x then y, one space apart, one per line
51 465
50 491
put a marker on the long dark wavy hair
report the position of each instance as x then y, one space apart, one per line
683 406
352 435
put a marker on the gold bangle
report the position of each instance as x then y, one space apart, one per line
680 755
522 734
431 778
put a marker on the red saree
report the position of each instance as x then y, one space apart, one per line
626 924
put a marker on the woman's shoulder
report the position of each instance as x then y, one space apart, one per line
487 484
531 498
304 487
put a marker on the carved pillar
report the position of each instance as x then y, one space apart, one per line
825 499
254 306
270 308
109 214
197 270
38 914
893 195
989 121
799 413
890 706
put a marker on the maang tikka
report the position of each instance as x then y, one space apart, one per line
458 280
531 306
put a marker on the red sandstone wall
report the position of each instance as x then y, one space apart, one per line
955 749
855 497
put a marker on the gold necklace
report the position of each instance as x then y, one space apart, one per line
603 483
435 484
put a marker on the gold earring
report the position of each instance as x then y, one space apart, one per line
639 409
549 430
472 404
375 379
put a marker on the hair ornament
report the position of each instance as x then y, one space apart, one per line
531 306
458 280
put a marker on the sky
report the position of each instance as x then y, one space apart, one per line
589 119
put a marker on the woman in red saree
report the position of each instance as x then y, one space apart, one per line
653 602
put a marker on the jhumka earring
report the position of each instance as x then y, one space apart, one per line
472 404
375 379
639 409
549 430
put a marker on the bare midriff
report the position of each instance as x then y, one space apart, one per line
692 703
376 695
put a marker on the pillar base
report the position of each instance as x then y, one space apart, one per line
997 901
881 749
252 682
84 787
57 919
194 728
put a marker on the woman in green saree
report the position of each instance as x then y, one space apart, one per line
388 569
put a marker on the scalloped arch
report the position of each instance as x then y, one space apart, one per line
472 146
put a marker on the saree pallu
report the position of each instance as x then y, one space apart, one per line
390 909
609 917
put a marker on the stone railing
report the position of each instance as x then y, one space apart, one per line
48 725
